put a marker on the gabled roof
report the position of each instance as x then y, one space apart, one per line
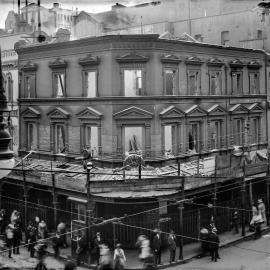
89 113
58 113
171 112
195 110
31 112
133 113
238 109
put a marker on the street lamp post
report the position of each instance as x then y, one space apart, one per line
89 165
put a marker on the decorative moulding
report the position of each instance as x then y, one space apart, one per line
171 112
170 58
195 110
58 113
133 113
89 60
193 60
215 62
58 63
254 64
238 109
89 114
132 58
255 108
29 66
216 110
236 64
31 112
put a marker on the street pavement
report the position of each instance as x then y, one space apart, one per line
248 255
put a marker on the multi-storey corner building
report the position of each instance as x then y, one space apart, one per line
169 101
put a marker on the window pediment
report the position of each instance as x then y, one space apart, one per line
254 64
171 113
89 60
193 60
215 62
89 113
236 63
195 110
58 113
255 108
29 66
170 59
133 113
238 109
58 63
31 112
216 110
132 58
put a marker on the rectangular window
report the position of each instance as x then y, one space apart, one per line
32 136
194 137
170 81
225 38
169 139
91 139
253 83
215 134
30 86
215 82
237 83
78 211
59 84
194 81
90 83
238 131
254 130
133 139
133 82
60 139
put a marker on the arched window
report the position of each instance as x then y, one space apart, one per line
9 87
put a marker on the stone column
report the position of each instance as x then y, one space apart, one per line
147 140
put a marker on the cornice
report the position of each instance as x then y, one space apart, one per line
58 63
236 64
29 66
89 60
215 62
254 65
132 58
170 59
193 60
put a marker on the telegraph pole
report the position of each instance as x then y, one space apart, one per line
243 191
268 185
181 207
88 212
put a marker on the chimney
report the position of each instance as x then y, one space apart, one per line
56 5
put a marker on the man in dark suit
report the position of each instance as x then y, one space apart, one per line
214 244
157 247
81 247
172 245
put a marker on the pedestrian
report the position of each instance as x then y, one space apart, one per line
105 255
17 237
172 245
214 244
235 220
119 258
3 221
10 238
36 222
157 246
143 244
42 230
212 224
32 238
254 209
81 247
56 243
96 248
257 221
61 228
261 209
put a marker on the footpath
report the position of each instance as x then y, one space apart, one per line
190 251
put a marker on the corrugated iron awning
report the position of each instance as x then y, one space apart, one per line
77 199
136 194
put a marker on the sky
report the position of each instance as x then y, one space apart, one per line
93 6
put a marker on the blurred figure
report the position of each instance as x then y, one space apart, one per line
81 247
10 238
96 248
119 258
105 255
235 220
17 236
172 245
61 228
32 238
261 209
157 246
143 243
56 243
3 221
214 244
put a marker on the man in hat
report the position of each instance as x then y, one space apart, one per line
81 247
172 245
96 248
157 246
214 244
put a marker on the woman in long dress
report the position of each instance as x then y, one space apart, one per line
119 258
